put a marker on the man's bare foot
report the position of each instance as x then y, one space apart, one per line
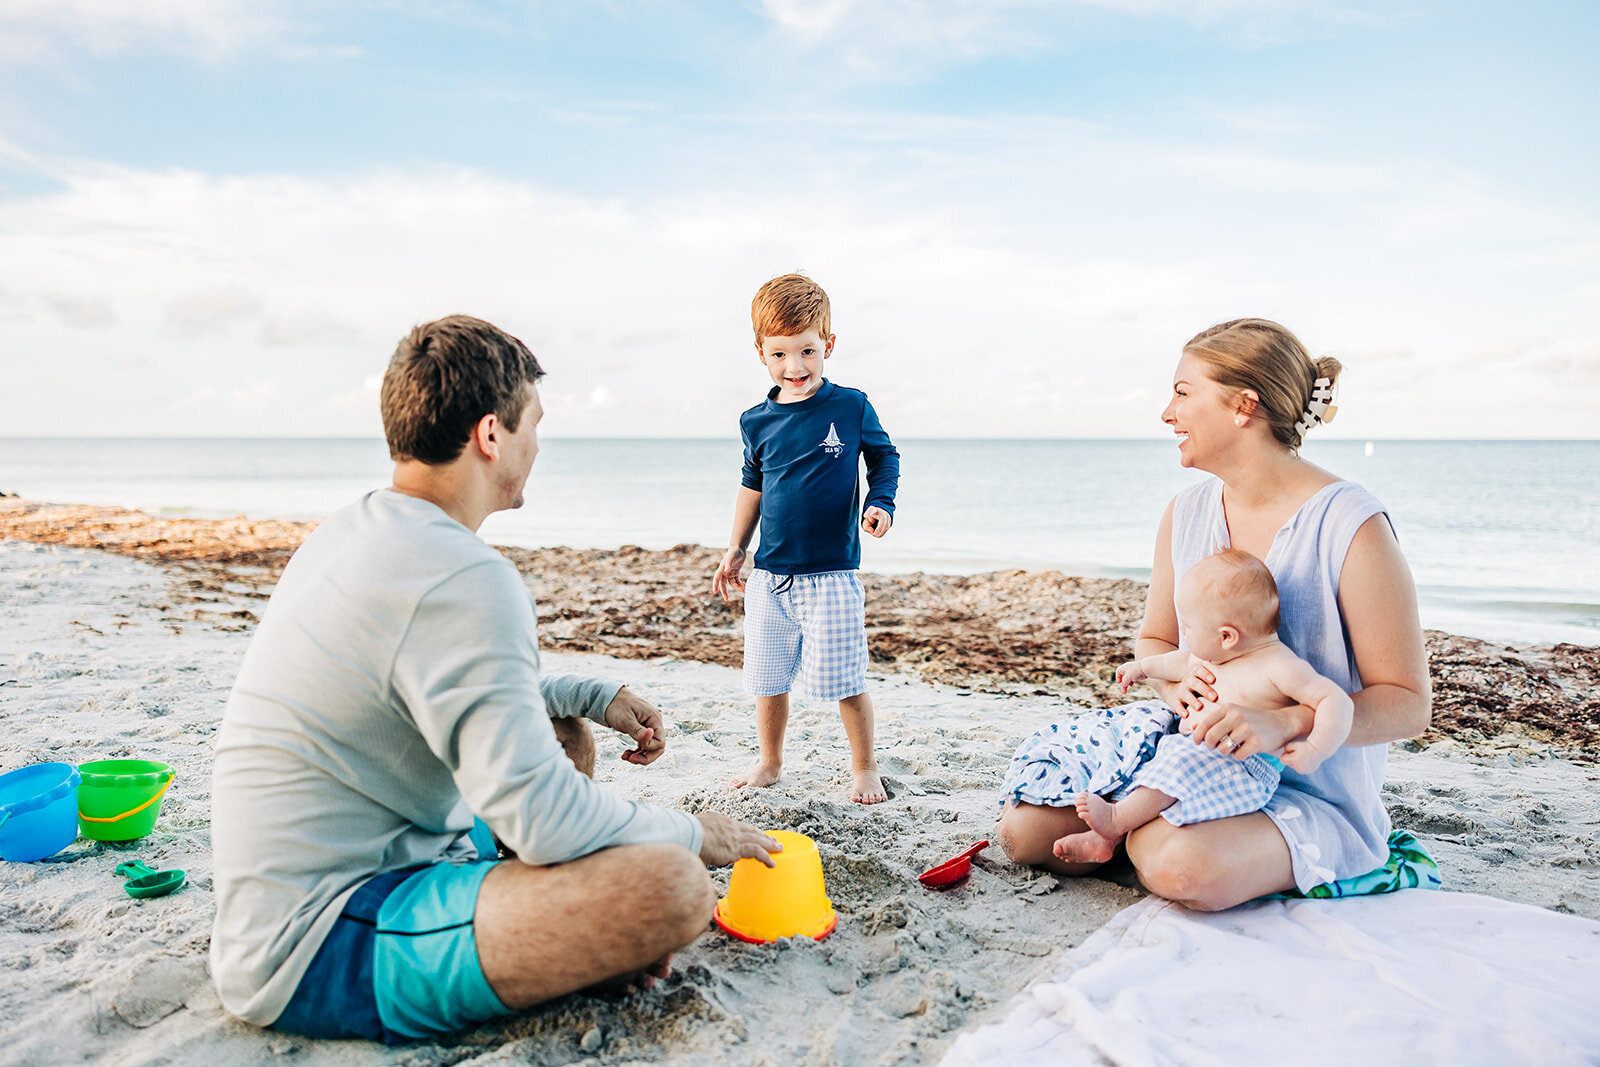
625 985
1087 847
762 775
866 787
1100 814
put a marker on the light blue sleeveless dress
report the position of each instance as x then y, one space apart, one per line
1333 819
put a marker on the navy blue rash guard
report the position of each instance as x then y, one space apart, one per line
803 458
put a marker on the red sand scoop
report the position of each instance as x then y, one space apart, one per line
951 870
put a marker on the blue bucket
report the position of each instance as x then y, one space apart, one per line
38 811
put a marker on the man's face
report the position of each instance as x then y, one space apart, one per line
795 363
518 449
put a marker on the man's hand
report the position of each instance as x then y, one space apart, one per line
726 840
876 521
638 718
727 576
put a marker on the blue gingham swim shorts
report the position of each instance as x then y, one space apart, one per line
1208 784
813 626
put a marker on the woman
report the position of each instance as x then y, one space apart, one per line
1244 394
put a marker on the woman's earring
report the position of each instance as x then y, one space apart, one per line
1238 420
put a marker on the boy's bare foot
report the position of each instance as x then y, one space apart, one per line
1099 813
866 787
763 774
1087 847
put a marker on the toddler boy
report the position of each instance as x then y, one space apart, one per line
1228 615
805 609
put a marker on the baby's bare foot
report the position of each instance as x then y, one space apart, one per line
762 774
866 787
1087 847
1099 813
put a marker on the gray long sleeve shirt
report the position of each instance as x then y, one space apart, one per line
391 692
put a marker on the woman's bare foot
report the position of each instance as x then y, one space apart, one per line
866 787
763 774
1087 847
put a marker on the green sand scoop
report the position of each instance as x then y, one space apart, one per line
144 883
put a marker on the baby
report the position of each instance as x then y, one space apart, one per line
1228 617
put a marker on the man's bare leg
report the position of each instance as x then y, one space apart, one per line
772 718
1109 823
577 740
545 931
866 787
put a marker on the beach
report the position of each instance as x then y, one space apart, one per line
120 634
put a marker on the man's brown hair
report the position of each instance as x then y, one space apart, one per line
790 305
446 375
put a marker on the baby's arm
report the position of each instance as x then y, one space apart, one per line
1332 710
1169 667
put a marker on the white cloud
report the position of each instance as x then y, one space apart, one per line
209 311
83 312
211 29
1049 305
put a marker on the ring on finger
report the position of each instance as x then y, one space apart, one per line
1230 742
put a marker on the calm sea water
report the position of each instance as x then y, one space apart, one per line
1503 537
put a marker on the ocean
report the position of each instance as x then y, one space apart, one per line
1503 537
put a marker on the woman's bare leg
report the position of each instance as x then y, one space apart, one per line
1028 832
1214 865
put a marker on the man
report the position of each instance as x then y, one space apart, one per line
391 693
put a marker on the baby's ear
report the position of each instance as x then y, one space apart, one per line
1228 635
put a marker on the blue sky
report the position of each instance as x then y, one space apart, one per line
217 216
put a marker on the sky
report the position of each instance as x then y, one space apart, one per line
217 217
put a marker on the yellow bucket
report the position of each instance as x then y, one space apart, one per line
766 903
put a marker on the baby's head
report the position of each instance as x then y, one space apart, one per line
1225 604
793 334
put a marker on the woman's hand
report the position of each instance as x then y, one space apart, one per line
1241 732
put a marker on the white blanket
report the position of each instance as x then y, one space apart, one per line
1408 977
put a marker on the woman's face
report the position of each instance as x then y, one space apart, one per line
1199 413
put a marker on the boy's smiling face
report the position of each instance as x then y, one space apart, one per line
795 363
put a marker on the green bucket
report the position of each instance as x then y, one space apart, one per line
119 799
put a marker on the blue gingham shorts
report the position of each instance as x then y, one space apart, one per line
1206 783
810 625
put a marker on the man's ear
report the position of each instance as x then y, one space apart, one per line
486 436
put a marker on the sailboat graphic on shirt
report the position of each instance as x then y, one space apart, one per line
832 440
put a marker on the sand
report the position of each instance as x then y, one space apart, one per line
131 653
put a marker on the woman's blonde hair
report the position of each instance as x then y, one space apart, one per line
1264 357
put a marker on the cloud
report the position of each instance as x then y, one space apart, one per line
209 311
1038 309
212 29
312 324
84 312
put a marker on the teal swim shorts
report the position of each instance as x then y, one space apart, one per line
401 961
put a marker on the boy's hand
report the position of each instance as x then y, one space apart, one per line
876 521
727 576
1129 673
